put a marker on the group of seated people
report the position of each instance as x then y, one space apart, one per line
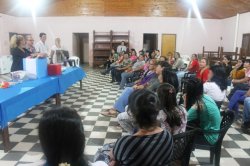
151 119
124 67
151 114
215 78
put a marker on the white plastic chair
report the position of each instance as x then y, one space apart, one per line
76 60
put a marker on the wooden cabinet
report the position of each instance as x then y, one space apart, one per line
103 42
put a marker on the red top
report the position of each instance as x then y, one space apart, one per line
203 74
194 66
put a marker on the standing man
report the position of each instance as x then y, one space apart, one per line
41 47
121 48
30 44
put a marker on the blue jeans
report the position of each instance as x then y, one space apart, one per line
246 111
125 76
122 101
238 96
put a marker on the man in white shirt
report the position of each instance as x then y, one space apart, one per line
41 47
121 48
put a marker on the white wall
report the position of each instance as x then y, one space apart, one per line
244 27
228 30
228 33
190 35
7 24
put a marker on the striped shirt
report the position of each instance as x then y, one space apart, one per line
148 150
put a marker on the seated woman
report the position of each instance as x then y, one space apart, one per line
116 71
216 85
244 83
149 80
170 78
203 71
62 137
226 62
201 108
246 115
179 63
172 117
150 145
137 66
133 56
238 72
115 64
238 96
193 67
112 58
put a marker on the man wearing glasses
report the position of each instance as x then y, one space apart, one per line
30 44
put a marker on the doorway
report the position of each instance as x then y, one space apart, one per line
81 46
168 44
150 41
245 46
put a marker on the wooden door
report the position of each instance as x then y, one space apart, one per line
168 44
245 45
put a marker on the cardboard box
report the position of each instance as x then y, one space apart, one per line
36 66
54 69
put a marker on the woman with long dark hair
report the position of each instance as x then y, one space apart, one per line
62 137
216 85
171 116
150 144
201 108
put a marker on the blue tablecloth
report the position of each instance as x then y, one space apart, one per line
19 98
69 77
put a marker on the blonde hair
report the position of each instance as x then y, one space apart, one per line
15 40
58 42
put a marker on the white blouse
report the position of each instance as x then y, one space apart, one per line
214 91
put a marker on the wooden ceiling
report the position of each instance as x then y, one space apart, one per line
214 9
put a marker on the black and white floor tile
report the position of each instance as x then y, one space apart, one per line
97 95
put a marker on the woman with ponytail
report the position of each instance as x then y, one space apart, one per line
172 117
202 110
18 52
150 145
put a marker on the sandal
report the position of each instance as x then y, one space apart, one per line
109 112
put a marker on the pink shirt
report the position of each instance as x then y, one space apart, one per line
247 74
133 58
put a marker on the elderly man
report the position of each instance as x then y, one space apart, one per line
30 44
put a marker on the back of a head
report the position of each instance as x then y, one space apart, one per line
168 76
193 88
219 76
164 64
144 107
167 96
62 137
168 103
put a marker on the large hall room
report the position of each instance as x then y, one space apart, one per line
124 82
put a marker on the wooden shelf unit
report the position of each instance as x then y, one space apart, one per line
103 42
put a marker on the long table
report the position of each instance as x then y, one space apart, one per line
17 99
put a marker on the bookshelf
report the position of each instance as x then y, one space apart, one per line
103 42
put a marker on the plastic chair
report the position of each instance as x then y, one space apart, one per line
215 150
75 60
183 144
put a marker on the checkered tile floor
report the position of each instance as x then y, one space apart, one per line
97 95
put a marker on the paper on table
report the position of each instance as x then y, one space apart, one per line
31 66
